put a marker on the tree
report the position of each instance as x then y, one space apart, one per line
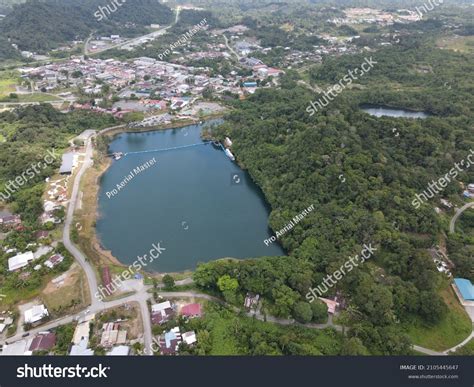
226 283
284 298
353 347
432 307
228 286
302 312
320 311
204 344
168 281
76 74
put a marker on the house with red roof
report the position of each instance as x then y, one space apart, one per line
191 310
331 304
43 342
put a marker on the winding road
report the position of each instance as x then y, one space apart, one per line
428 351
142 295
230 48
458 213
135 41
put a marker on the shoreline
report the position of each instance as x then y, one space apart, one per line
102 256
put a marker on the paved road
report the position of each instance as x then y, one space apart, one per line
458 213
6 104
133 41
258 316
460 344
142 295
230 48
81 259
96 305
427 351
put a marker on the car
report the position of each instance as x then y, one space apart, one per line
25 334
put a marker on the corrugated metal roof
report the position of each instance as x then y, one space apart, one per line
465 288
67 163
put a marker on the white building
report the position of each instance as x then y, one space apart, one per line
18 348
121 350
189 337
20 260
81 349
161 306
36 313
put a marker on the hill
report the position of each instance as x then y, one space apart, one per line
40 26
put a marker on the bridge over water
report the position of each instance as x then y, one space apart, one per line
172 148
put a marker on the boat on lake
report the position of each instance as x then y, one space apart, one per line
229 154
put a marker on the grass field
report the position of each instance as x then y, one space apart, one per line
451 330
36 97
7 86
223 344
457 43
467 350
73 295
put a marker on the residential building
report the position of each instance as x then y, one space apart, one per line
191 310
35 314
121 350
331 304
189 337
251 300
19 261
54 260
44 341
81 349
162 312
170 341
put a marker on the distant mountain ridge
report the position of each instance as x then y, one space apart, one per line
43 25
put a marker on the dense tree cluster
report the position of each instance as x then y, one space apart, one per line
43 25
361 177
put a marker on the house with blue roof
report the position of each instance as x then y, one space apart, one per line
465 289
170 341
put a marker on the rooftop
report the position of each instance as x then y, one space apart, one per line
465 288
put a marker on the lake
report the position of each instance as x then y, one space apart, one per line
383 111
194 201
